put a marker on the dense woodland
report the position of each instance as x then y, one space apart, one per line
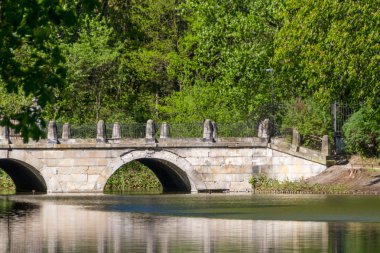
187 60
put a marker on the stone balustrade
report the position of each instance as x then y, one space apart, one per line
209 134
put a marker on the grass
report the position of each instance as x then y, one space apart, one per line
262 183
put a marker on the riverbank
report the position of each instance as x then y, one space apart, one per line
357 176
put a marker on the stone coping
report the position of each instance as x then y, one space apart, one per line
140 143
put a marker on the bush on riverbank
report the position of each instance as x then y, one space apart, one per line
133 176
262 182
362 133
6 182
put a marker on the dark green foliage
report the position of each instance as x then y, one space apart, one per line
362 132
30 58
133 176
183 61
308 116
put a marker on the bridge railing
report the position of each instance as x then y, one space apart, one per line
186 130
139 130
236 130
129 130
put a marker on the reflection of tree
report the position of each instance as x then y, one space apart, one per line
354 237
336 235
10 213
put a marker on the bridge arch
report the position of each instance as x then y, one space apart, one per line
25 177
174 172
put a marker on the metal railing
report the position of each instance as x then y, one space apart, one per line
138 130
236 130
186 130
84 131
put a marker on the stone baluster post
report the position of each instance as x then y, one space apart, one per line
52 136
4 135
66 131
164 131
263 131
296 139
116 131
101 132
214 130
150 131
207 131
325 149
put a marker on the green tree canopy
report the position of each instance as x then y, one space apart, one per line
30 59
329 49
222 60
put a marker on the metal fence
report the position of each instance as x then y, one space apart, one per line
341 113
236 130
83 131
177 130
186 130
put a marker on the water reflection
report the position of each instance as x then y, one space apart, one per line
51 226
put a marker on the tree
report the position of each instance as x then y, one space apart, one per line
30 59
92 73
222 59
329 49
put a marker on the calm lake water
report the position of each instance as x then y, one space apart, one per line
189 223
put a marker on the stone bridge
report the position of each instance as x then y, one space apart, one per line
211 163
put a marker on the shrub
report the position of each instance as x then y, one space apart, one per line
309 116
362 133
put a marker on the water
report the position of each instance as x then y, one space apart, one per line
189 223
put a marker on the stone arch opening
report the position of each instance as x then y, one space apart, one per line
172 178
25 177
173 171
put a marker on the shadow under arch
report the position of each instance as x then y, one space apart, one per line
25 177
173 171
171 177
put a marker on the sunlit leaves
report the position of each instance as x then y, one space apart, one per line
330 49
224 52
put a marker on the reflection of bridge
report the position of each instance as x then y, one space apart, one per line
210 163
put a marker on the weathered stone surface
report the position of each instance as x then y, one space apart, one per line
52 132
116 131
4 134
73 178
326 149
101 132
66 132
296 139
263 131
214 130
164 131
150 131
240 187
208 132
72 170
